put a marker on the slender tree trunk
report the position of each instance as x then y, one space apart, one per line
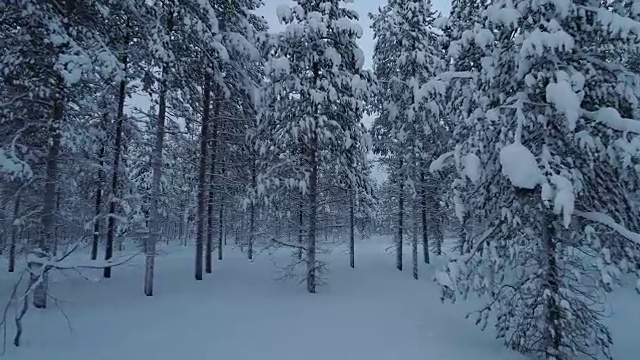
98 206
154 213
313 193
552 310
56 226
252 230
400 219
221 214
117 149
300 227
212 187
49 204
423 206
14 233
202 186
252 215
414 239
352 233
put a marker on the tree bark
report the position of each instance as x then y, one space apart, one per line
221 213
154 213
425 233
56 226
14 233
98 206
49 203
202 179
400 218
414 239
552 309
300 227
212 187
252 215
313 193
352 233
117 149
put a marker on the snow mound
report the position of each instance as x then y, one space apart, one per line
520 166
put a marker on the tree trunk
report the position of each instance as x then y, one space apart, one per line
49 204
14 233
414 239
425 234
221 213
98 206
56 227
552 308
300 227
352 233
252 215
400 219
111 220
202 179
212 188
154 213
313 193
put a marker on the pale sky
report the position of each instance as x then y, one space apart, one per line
363 7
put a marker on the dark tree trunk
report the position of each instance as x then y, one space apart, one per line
352 233
313 193
154 211
221 213
98 206
202 179
423 206
414 239
212 187
300 227
117 149
48 218
14 234
552 308
252 215
400 219
56 227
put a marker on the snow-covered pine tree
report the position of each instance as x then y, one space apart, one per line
463 46
314 101
407 57
555 115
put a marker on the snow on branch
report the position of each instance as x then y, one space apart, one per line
612 119
607 220
439 163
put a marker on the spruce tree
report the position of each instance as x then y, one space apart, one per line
553 114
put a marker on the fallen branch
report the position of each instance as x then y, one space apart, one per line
295 246
38 266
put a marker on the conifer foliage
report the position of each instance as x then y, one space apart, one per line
553 113
313 103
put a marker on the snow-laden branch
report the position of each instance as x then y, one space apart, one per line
612 119
439 163
607 220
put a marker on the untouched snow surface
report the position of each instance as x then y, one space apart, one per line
241 313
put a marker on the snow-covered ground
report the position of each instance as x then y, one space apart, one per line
241 312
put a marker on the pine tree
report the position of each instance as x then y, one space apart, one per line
407 58
314 102
541 163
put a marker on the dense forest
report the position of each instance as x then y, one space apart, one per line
509 131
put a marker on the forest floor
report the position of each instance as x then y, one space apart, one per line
243 312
